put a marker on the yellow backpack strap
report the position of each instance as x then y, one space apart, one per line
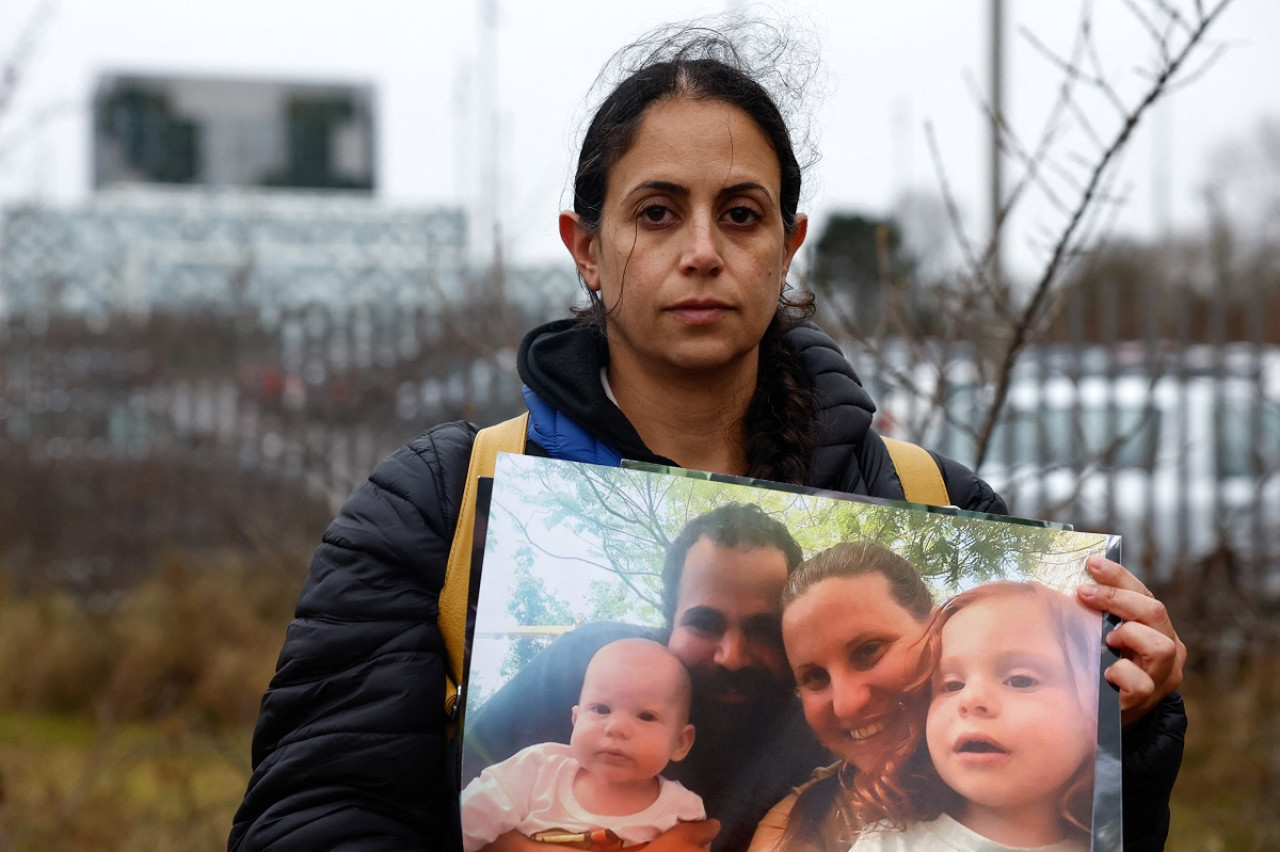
505 437
919 472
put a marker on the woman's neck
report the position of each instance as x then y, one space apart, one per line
696 421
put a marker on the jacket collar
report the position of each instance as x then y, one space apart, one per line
573 418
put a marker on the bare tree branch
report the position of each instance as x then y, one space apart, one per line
1022 331
13 68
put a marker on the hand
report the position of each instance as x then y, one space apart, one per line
686 837
514 841
1152 655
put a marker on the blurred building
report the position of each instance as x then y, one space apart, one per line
241 195
150 129
151 248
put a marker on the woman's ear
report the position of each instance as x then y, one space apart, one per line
581 243
794 240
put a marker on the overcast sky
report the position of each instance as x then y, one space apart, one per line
893 69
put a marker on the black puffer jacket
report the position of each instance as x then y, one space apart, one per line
349 751
561 363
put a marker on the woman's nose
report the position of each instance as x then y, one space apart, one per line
701 251
850 696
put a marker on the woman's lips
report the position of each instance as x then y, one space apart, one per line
699 311
858 734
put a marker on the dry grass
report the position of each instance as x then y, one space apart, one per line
76 785
1227 794
198 640
125 722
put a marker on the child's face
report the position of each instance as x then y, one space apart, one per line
1007 727
632 719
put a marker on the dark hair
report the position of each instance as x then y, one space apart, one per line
740 525
856 558
613 128
706 63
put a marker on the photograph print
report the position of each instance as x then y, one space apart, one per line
659 652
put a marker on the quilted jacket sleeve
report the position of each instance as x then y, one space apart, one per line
1152 755
349 749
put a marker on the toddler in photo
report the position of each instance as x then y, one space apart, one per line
1011 730
631 720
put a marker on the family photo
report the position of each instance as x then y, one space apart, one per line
655 649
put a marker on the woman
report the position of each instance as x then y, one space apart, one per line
692 352
864 691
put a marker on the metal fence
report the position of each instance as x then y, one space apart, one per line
1174 445
1149 407
172 422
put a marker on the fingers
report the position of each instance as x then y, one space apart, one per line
686 836
1156 652
1121 594
1152 655
1149 669
1137 690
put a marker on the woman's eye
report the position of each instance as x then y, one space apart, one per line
812 680
867 654
742 216
655 214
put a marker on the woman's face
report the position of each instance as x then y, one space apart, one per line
852 649
691 255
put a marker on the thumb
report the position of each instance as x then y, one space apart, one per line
698 833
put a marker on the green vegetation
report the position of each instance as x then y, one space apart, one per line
1230 782
78 784
125 720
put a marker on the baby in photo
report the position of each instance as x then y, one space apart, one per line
631 720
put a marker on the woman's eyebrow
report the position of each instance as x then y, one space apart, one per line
868 635
661 186
682 191
747 186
